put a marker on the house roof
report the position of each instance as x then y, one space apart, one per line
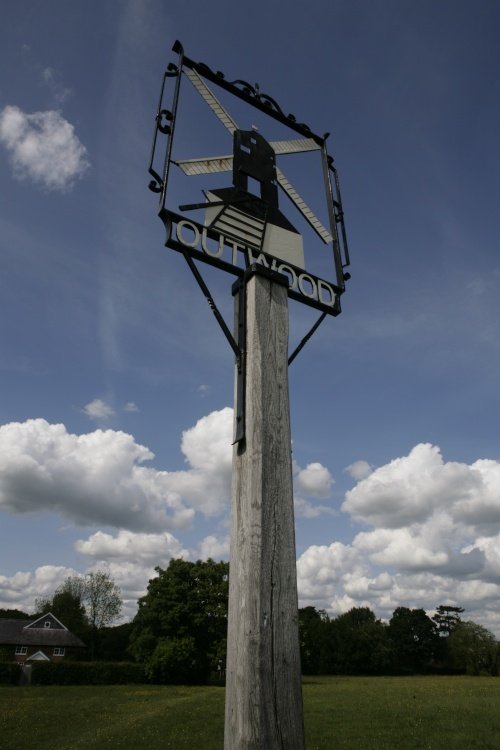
33 633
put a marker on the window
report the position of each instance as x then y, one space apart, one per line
46 624
21 650
58 651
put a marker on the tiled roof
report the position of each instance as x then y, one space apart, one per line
15 633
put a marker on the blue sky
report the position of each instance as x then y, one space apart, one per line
116 383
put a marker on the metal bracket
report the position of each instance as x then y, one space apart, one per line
238 345
240 288
306 338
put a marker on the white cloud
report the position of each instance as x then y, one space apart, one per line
207 445
153 549
434 536
20 590
207 448
43 148
435 539
131 407
100 477
97 478
315 480
409 489
307 509
359 470
99 409
211 546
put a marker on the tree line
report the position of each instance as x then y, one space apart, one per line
179 631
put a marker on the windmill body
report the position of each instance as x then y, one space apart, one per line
254 221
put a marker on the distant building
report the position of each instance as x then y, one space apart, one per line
43 639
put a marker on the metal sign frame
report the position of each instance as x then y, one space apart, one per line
196 241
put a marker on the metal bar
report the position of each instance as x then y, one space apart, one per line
168 152
204 288
204 71
239 288
153 172
341 215
306 338
337 259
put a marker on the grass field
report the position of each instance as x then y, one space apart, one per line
386 713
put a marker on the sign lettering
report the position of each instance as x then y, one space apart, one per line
215 248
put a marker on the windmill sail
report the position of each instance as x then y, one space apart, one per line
304 209
211 100
224 163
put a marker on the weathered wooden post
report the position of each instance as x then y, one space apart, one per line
244 232
263 682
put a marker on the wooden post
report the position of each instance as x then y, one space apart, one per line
263 684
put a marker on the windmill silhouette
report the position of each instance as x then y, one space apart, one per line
253 220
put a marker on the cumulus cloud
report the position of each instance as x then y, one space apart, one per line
359 470
430 534
434 539
97 478
207 448
100 477
20 590
315 480
211 546
99 409
410 488
310 484
153 549
43 148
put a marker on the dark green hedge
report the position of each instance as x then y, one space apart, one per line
9 673
87 673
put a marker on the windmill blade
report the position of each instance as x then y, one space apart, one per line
214 164
278 146
294 146
212 101
210 165
304 209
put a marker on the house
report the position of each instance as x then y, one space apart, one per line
43 639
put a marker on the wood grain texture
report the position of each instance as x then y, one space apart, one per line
263 687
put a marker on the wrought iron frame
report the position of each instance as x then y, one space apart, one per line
165 122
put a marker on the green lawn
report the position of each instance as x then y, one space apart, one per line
386 713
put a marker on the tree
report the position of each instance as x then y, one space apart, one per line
66 604
175 660
187 600
102 598
414 638
113 642
84 604
361 644
13 614
473 649
103 604
447 618
315 641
